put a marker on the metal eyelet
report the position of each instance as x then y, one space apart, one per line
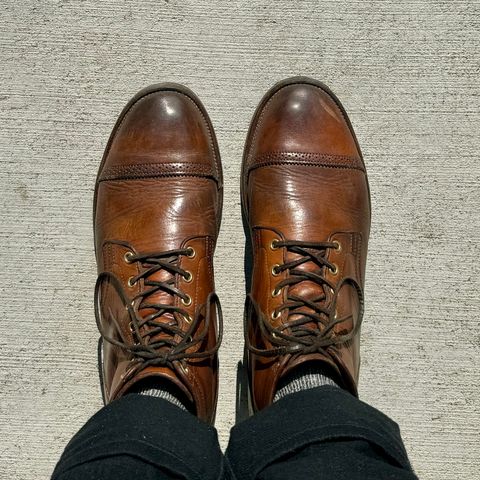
130 282
191 252
338 246
188 300
188 277
273 244
184 367
334 269
187 318
276 292
128 257
275 271
275 315
130 326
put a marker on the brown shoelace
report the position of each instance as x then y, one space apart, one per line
165 349
295 336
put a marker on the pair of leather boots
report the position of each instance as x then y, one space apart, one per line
157 211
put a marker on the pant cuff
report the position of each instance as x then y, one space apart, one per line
150 430
314 415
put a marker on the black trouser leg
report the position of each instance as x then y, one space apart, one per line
322 433
142 437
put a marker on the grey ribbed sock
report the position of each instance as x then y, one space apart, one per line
162 389
304 377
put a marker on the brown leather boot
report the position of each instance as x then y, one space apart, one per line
306 202
157 209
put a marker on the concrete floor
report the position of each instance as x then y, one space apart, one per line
407 73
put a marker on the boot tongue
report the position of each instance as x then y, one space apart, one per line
307 289
347 306
157 298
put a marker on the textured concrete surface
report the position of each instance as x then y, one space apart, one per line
407 73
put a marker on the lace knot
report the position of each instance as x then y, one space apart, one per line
159 338
309 323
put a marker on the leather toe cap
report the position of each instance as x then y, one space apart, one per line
163 127
300 117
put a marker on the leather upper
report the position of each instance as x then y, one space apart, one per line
159 189
304 180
